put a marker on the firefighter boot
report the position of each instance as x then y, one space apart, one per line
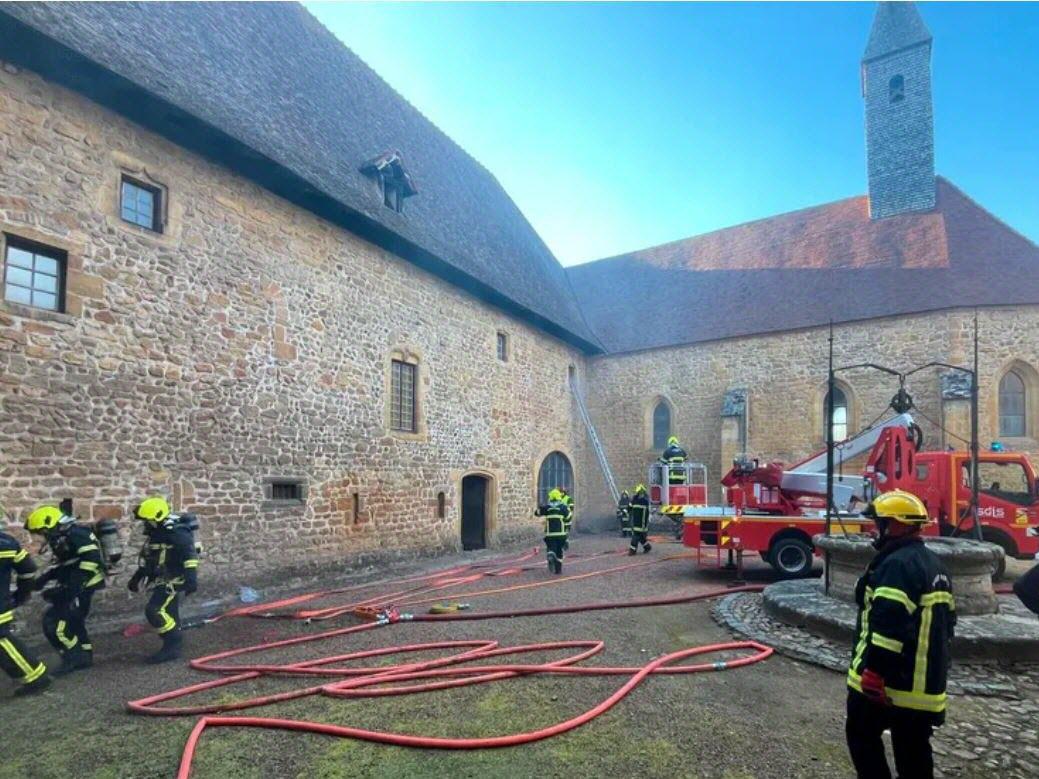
551 562
171 644
34 687
74 660
559 565
646 547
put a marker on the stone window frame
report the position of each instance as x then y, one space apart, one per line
1030 378
151 174
414 357
271 503
72 303
852 418
502 345
648 412
60 257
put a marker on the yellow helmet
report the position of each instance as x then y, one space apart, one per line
640 488
43 519
154 509
555 494
672 440
900 506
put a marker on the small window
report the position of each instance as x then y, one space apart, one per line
356 506
285 490
441 505
1012 405
141 204
503 347
402 397
661 425
896 89
34 274
922 471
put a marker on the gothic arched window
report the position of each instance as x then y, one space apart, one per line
661 424
555 472
839 420
1011 405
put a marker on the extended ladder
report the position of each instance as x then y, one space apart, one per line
600 453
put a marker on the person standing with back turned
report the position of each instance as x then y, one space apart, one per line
900 662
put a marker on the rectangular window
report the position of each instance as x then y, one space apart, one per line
141 204
34 274
402 397
503 347
287 490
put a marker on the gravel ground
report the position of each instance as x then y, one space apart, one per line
779 718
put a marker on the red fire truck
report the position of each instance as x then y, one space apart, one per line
774 510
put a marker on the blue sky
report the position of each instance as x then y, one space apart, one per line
620 126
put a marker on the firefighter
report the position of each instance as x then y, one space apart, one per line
674 456
639 510
169 566
15 659
623 513
554 513
78 573
569 503
900 659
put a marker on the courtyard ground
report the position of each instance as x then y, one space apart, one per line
777 718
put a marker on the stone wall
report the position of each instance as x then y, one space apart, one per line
785 375
248 341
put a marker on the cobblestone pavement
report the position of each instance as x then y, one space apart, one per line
993 716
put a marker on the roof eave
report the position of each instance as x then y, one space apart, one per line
27 47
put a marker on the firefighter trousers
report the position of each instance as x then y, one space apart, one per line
17 661
555 545
163 609
65 623
639 537
910 740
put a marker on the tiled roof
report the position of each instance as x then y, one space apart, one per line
266 90
804 269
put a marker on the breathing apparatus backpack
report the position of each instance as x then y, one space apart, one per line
109 544
190 523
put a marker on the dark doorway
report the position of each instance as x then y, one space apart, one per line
474 512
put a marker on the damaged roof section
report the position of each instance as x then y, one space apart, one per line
267 91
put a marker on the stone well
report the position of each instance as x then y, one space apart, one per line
970 565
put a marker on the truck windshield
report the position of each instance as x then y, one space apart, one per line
1004 480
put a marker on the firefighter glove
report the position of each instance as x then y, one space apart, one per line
873 687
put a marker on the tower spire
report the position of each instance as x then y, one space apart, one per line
896 86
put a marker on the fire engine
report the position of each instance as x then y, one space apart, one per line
775 510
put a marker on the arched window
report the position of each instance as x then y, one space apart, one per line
896 89
1012 405
661 424
555 472
839 420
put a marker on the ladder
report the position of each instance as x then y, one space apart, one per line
600 453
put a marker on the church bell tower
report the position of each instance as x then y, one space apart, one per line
896 87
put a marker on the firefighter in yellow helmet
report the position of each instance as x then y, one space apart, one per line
15 658
900 659
169 567
639 511
554 512
674 457
569 503
78 573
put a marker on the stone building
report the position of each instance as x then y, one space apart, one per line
242 271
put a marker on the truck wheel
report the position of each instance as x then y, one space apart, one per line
791 557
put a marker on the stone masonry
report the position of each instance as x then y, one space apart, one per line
249 341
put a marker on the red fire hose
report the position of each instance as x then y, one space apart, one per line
441 673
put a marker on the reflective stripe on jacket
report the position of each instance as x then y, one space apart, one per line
905 626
